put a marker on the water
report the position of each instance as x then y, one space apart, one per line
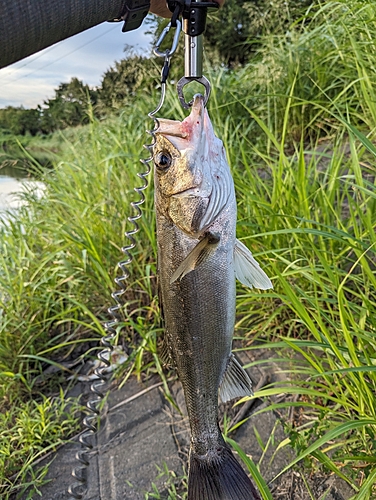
12 182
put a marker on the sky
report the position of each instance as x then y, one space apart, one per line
86 56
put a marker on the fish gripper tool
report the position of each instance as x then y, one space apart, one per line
194 22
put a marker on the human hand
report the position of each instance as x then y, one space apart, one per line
160 8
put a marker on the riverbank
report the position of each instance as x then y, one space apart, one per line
298 128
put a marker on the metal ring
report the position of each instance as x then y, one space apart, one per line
184 81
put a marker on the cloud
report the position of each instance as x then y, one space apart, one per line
86 56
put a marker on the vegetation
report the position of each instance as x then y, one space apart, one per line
298 125
236 31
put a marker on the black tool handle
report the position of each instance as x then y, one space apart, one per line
194 13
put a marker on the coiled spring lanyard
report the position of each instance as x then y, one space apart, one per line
193 24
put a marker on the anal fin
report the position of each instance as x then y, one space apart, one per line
235 382
248 270
197 256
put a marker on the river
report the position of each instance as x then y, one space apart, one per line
12 182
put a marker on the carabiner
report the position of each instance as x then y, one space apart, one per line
168 52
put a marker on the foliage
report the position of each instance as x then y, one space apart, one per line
175 488
130 79
62 267
234 32
19 155
320 239
69 107
28 434
19 121
321 71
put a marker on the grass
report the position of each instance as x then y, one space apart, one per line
298 127
174 487
36 429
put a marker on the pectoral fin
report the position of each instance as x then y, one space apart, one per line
248 270
197 256
235 383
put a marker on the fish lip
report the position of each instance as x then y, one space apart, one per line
171 129
198 102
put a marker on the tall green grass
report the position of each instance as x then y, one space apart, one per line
318 236
298 124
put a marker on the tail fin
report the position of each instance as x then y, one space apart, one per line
218 477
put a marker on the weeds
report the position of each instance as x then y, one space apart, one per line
175 488
30 433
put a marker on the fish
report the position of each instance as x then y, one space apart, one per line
199 259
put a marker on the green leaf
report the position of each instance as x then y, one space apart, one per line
349 426
259 480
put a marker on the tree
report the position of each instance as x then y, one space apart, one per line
69 107
121 83
20 121
234 30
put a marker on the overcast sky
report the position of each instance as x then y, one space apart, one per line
86 56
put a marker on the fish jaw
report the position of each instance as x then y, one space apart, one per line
197 185
188 131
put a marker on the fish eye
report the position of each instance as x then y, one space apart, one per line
163 160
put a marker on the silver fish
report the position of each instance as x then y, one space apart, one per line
198 260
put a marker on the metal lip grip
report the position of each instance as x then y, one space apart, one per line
194 21
133 13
